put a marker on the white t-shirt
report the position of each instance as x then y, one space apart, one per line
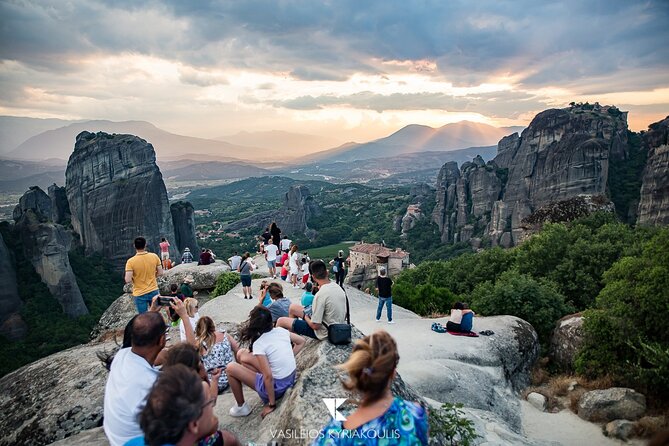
271 251
234 262
276 346
456 316
193 323
293 262
128 384
305 269
285 244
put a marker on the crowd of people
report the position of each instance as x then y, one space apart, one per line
157 395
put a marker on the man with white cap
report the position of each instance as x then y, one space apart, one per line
187 257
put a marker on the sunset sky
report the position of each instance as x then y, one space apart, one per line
349 70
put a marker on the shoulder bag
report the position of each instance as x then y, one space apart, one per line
340 334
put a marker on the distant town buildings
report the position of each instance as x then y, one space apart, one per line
363 255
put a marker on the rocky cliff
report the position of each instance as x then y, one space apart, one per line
562 154
654 202
60 208
11 324
47 245
298 207
116 193
184 226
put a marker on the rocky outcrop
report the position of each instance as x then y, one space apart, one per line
611 404
116 193
54 397
115 318
183 221
298 207
11 324
47 245
654 201
204 276
562 154
566 340
60 208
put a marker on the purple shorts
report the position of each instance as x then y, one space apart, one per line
280 386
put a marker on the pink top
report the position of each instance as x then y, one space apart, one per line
164 246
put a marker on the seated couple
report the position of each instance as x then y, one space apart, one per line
328 307
461 320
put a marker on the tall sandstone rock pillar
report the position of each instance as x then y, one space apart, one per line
184 226
654 200
116 193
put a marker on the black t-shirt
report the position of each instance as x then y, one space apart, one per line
384 284
266 236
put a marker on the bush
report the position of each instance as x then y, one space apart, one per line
225 282
448 423
520 295
627 333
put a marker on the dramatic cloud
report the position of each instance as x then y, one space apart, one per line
498 60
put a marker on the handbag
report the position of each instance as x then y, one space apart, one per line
340 334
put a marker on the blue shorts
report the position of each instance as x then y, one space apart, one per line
301 327
280 386
143 302
271 263
246 280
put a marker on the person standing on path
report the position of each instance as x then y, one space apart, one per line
285 243
384 288
141 270
339 268
245 274
271 253
275 232
294 266
164 252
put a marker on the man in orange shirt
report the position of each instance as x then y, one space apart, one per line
142 270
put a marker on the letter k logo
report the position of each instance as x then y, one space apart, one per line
332 405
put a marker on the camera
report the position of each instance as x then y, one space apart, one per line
164 301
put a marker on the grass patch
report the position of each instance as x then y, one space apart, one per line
329 252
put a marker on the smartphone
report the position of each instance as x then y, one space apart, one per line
164 301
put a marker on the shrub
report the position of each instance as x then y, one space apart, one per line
225 282
448 423
627 333
520 295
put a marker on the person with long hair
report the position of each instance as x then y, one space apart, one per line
294 265
245 268
268 366
217 349
275 232
371 369
191 308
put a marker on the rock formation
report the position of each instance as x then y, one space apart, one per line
183 221
205 276
116 193
562 154
47 245
298 207
566 340
654 202
11 324
611 404
60 208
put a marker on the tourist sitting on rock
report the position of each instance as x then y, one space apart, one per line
213 256
280 304
186 288
175 293
304 307
132 373
264 298
187 257
329 306
461 320
371 369
268 367
179 411
245 268
216 348
234 261
205 258
193 316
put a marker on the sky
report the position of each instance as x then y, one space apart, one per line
350 70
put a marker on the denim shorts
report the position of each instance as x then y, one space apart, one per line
143 302
271 263
301 327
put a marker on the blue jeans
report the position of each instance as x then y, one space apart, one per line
388 302
143 302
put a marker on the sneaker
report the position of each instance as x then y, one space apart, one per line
378 320
391 322
240 411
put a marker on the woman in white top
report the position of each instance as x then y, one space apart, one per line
268 367
294 267
191 308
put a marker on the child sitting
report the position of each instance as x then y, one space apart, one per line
280 305
299 311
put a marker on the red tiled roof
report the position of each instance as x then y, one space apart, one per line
377 250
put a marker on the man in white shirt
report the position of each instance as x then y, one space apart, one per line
271 252
235 261
285 243
132 374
